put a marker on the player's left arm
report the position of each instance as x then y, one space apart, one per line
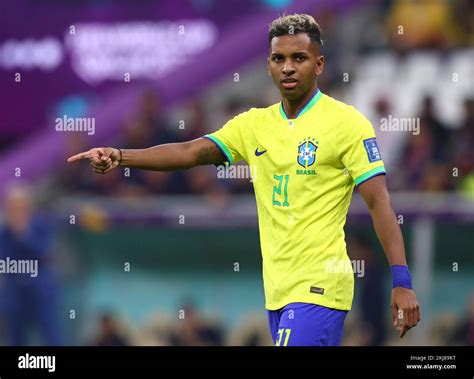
404 305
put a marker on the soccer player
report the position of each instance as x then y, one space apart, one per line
310 151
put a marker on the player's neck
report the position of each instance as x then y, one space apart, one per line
293 107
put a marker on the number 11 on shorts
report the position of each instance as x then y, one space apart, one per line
282 332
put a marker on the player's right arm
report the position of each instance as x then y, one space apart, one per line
166 157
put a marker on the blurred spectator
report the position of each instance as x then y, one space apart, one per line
333 51
463 147
418 153
427 155
203 181
442 328
251 331
464 334
139 133
152 122
160 182
435 178
390 142
150 127
194 330
464 15
441 134
372 291
194 125
465 136
425 23
30 299
155 331
109 333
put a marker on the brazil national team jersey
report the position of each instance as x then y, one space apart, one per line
304 170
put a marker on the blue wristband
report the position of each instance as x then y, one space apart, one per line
401 276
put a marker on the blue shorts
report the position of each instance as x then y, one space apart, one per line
302 324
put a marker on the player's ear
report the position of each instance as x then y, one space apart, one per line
319 65
268 66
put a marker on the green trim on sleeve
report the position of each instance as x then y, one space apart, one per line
222 146
369 174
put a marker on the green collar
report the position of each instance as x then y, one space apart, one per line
306 108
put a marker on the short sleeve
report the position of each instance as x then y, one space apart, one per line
229 138
360 153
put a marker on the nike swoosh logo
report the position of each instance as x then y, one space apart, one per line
258 153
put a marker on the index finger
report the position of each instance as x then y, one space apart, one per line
86 154
410 320
405 328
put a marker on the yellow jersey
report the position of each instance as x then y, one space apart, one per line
304 171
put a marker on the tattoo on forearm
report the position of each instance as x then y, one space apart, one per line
210 155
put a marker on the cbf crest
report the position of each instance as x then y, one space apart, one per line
307 152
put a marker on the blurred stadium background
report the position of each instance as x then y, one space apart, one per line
141 258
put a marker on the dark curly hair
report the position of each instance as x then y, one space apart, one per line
294 24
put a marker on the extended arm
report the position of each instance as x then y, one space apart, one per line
167 157
376 196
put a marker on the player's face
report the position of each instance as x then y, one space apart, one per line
294 64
